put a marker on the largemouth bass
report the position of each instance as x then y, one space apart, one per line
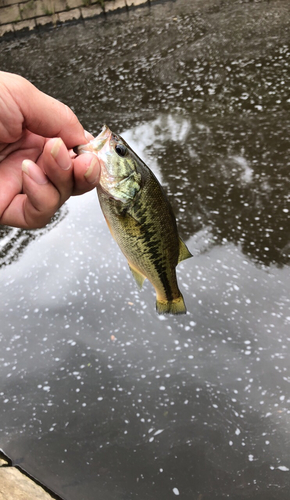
140 218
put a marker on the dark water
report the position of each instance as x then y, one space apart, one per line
100 397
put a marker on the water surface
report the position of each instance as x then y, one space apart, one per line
101 397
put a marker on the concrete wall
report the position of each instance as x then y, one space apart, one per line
16 15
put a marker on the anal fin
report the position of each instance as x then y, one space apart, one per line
139 277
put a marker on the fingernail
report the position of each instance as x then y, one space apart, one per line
93 173
88 136
34 172
60 154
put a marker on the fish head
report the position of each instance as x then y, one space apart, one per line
119 178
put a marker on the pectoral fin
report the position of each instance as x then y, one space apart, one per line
184 253
139 277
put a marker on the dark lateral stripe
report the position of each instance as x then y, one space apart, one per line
152 250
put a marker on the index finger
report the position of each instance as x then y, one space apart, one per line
42 114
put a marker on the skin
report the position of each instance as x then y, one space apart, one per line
38 170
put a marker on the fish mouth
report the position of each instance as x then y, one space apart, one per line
101 139
96 144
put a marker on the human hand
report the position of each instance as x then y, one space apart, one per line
38 170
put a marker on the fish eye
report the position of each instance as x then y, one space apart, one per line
120 149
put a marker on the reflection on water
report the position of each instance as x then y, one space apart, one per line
224 190
14 241
99 395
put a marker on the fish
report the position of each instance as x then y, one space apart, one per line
140 218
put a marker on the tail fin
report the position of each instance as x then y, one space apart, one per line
175 306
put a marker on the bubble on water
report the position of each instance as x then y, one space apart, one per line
175 491
158 432
283 468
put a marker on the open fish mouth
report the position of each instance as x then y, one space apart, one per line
101 139
95 144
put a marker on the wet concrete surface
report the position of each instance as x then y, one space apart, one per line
99 395
15 485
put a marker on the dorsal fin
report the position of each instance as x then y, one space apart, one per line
184 253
